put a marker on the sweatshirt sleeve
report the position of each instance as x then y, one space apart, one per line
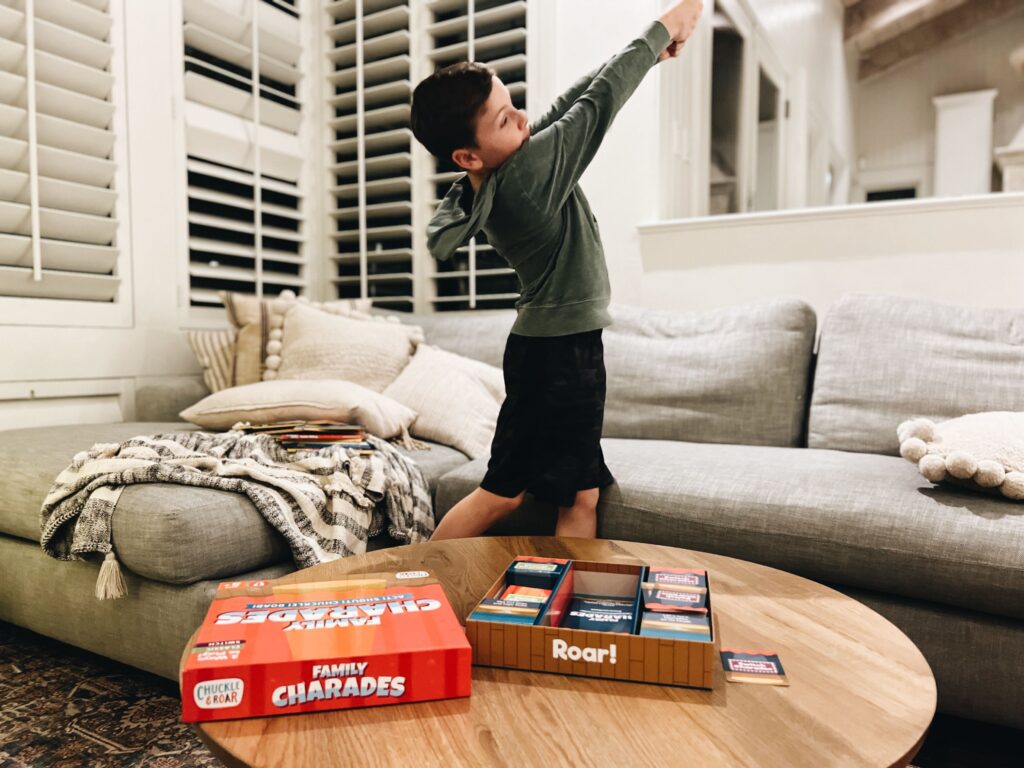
563 102
550 163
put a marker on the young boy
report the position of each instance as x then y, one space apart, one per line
520 188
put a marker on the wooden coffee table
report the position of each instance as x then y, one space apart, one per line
860 694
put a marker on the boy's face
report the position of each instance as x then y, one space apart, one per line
500 130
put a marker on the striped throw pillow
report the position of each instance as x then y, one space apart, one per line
215 351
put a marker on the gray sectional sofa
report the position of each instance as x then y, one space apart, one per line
729 431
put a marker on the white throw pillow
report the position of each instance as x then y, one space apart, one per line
457 399
266 402
317 345
984 451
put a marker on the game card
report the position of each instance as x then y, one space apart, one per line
761 667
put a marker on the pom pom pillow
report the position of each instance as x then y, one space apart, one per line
984 451
259 326
457 399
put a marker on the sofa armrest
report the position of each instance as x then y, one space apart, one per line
161 398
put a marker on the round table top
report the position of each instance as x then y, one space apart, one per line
860 691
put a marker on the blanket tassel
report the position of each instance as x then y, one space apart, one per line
110 583
408 442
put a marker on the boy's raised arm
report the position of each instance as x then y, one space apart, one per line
563 102
555 157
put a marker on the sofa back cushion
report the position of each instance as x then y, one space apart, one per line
735 375
479 334
731 375
883 359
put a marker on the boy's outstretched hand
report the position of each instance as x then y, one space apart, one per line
680 21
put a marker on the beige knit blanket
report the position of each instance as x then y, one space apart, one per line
326 503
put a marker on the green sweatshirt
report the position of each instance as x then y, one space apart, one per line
533 211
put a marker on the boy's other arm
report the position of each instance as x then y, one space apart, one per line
555 157
563 102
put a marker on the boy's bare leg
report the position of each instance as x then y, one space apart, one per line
474 514
581 518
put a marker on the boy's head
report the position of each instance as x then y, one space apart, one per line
464 113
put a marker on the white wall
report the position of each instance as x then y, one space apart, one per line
962 251
619 183
622 183
807 35
895 117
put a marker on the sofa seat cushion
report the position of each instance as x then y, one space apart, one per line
32 458
858 520
172 533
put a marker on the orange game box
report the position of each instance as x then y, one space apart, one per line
268 648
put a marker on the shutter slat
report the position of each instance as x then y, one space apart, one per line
16 251
383 256
227 139
375 48
11 21
399 137
374 24
69 44
225 98
398 90
373 118
76 227
75 137
398 230
379 209
396 163
72 166
58 194
76 17
11 121
76 107
393 186
12 55
71 75
57 284
394 67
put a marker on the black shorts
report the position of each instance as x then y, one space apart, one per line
548 436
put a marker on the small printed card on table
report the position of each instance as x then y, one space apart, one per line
761 667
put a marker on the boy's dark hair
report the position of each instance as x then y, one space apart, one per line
446 104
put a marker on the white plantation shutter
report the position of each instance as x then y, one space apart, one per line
492 32
245 211
371 141
59 175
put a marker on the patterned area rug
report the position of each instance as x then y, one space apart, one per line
61 706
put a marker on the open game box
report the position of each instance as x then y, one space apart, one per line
626 622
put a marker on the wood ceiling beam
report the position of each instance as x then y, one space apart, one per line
872 22
965 17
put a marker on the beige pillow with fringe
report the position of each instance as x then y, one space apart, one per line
267 402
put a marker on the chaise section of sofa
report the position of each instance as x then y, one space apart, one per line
175 544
